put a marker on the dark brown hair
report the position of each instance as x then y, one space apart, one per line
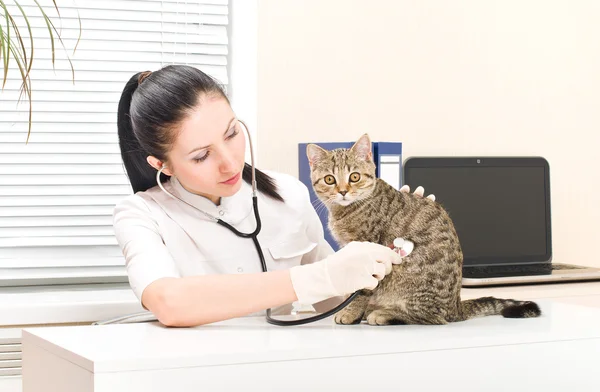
151 105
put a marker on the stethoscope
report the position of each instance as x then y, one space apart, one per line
254 236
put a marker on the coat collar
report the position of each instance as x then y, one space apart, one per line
232 209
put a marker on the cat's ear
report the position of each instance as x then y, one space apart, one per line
362 148
315 154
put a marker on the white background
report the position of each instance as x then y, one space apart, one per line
463 77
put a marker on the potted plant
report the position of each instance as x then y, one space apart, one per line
18 47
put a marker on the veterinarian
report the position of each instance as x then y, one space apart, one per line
184 153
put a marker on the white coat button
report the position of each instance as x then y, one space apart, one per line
240 269
221 212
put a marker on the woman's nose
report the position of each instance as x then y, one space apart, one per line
227 162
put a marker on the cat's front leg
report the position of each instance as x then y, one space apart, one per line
370 308
387 317
353 313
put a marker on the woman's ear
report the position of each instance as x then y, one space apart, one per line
157 164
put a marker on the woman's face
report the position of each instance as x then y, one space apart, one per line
208 155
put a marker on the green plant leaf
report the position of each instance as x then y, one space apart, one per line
3 55
50 28
17 53
30 35
26 85
56 6
19 38
80 29
47 20
6 42
24 54
16 47
63 45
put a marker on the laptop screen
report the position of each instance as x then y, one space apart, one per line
499 211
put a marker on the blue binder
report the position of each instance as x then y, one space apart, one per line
388 161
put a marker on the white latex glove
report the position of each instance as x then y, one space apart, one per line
419 191
358 265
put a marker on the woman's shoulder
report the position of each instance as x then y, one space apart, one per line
293 191
288 185
141 203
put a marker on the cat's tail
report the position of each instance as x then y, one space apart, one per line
490 306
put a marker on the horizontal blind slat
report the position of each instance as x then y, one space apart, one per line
58 107
62 138
209 35
188 44
55 241
59 96
205 25
49 221
61 251
41 262
60 231
40 211
58 179
118 76
37 200
191 14
62 68
18 158
100 59
50 84
48 148
41 127
64 190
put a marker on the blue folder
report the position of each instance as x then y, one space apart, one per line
388 161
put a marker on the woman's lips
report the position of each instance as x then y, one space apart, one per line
232 180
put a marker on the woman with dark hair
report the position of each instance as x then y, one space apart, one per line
183 267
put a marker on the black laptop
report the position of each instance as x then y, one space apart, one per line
501 209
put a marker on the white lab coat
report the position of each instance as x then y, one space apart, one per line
163 237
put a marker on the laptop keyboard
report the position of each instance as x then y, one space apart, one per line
497 271
515 270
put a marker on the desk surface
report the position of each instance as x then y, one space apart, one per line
146 346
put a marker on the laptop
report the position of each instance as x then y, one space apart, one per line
500 207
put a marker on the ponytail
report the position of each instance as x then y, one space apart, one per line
264 183
141 175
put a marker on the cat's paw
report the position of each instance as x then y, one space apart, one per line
380 317
347 318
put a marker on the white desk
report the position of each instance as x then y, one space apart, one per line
556 352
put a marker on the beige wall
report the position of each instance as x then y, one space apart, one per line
445 78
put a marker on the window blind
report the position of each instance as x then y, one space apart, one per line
58 191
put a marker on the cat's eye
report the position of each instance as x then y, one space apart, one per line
329 180
355 177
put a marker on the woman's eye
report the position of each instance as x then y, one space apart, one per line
355 177
329 180
233 132
201 157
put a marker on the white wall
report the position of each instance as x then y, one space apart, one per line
242 61
445 78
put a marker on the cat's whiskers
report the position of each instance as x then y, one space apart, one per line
323 204
315 203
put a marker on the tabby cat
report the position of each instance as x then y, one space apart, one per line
425 287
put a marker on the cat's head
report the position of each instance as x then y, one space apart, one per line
343 175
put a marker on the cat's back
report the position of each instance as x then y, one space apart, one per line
407 213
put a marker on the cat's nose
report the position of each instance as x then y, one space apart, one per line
343 193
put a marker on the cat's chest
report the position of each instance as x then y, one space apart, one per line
350 229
